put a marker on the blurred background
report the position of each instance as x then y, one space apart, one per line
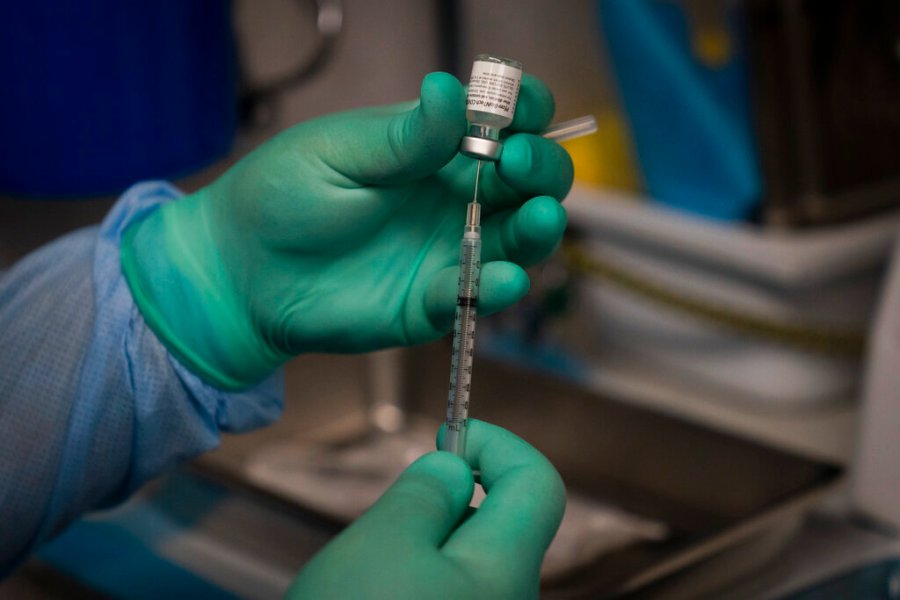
709 358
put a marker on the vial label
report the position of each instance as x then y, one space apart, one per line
494 88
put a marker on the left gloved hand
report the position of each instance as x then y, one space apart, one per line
419 541
341 235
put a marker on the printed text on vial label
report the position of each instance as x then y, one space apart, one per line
492 92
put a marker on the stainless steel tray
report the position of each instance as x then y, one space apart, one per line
714 493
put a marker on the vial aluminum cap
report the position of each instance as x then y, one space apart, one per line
480 148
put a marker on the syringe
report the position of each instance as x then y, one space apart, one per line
464 327
467 300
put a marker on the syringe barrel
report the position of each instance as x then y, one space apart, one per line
469 268
455 437
463 344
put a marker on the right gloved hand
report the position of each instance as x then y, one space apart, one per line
342 235
419 540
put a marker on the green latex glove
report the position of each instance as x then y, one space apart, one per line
420 541
342 234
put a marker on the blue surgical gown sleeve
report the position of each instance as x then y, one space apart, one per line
92 405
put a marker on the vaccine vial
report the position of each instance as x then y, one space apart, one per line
490 104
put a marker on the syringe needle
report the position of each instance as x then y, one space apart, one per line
473 211
477 178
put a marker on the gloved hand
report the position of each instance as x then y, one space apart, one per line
341 234
419 541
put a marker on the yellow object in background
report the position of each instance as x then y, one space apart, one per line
712 46
606 158
710 39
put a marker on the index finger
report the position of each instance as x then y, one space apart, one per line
522 510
